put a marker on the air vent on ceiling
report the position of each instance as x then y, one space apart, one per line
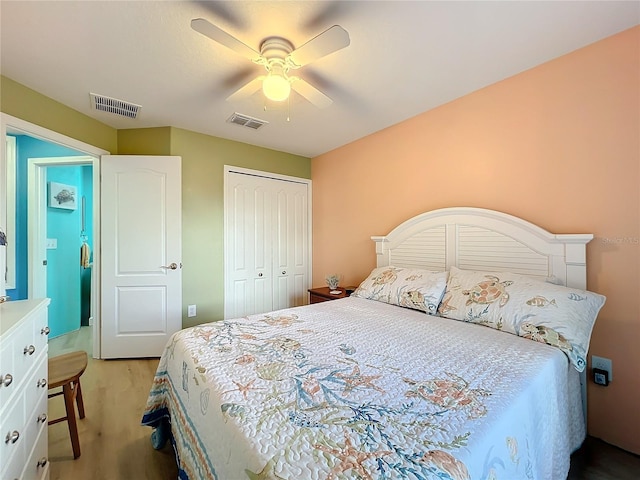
246 121
115 106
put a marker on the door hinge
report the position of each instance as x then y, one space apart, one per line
44 262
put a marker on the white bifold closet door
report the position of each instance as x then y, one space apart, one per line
267 242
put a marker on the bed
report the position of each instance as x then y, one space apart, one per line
403 379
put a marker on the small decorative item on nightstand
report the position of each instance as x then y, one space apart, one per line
333 281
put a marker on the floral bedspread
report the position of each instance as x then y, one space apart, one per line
358 389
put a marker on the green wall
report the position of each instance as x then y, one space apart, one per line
22 102
145 141
203 160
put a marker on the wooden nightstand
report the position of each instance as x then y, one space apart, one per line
321 294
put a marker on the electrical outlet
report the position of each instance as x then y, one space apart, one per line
191 311
600 377
602 364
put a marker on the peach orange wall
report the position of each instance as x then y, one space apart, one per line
557 145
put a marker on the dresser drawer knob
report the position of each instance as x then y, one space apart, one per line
12 437
42 462
45 331
42 418
42 383
29 350
6 380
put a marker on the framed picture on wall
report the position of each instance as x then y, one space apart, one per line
63 196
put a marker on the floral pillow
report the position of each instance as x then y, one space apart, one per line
407 287
541 311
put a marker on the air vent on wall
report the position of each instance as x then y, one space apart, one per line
115 106
246 121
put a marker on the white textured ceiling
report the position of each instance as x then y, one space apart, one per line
404 58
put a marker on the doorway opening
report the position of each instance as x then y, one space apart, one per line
37 251
60 239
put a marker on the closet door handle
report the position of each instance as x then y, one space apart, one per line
260 274
171 266
29 350
45 331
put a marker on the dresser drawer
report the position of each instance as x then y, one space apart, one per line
13 354
12 427
37 465
7 372
14 468
36 423
26 353
40 330
37 384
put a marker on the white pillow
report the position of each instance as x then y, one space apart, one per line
407 287
559 316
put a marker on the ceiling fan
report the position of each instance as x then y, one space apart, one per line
279 58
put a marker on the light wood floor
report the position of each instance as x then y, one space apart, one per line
78 340
115 446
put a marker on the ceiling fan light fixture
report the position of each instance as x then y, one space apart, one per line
278 56
276 87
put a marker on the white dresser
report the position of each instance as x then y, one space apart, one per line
23 390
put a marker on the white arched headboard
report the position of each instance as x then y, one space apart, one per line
486 240
480 239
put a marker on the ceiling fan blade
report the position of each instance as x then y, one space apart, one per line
216 34
311 93
246 91
329 41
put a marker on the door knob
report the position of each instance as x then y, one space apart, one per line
171 266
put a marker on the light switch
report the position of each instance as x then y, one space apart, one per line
52 243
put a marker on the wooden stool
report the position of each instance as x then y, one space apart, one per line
65 371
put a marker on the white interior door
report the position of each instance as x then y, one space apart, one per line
250 277
291 244
141 254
